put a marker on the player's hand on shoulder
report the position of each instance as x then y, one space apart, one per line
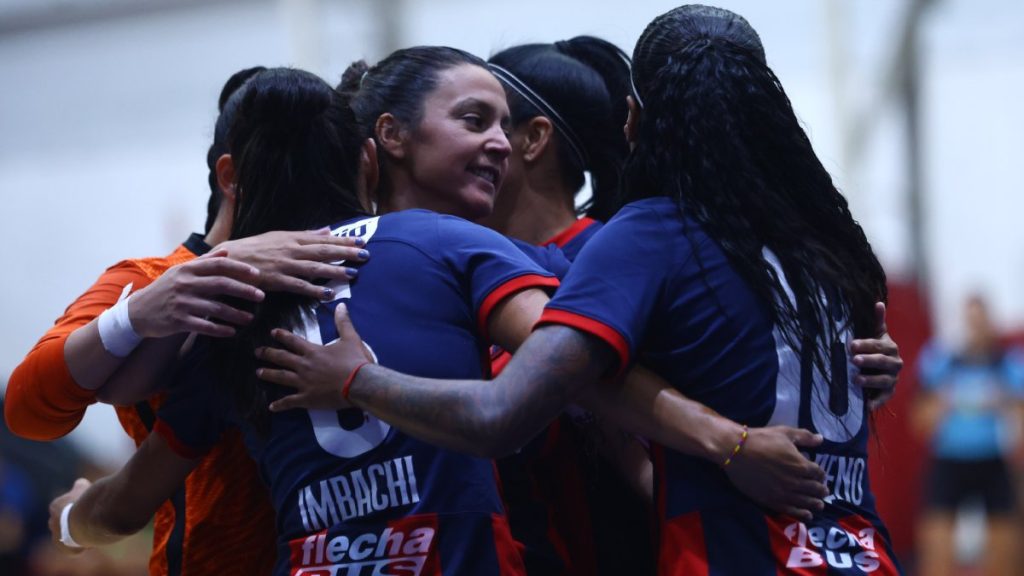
770 470
57 509
879 362
292 261
317 373
188 298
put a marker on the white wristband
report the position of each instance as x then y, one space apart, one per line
65 530
116 331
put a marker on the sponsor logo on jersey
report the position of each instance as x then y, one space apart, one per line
394 551
360 492
832 546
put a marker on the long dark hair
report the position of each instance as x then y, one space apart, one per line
585 81
718 133
295 148
219 146
398 85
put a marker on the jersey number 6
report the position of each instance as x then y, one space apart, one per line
353 439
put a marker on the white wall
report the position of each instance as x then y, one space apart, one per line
104 125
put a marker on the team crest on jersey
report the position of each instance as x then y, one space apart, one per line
364 229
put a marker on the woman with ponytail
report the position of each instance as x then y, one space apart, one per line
571 493
350 492
350 495
744 284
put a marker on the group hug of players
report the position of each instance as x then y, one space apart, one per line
678 382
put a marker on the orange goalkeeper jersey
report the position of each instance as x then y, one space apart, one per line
221 522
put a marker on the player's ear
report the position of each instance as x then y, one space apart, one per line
390 135
369 175
537 137
632 121
226 179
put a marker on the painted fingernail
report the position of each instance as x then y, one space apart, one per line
360 242
364 254
352 272
327 294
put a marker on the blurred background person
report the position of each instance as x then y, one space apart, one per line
909 103
968 406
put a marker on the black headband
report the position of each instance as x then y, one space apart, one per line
539 103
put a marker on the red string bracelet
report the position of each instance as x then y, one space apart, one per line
352 376
735 451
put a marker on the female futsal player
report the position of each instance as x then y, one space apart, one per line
76 363
459 107
747 281
568 493
382 497
349 495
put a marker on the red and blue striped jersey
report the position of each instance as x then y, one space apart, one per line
567 506
675 303
353 495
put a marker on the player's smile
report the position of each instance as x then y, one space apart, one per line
458 154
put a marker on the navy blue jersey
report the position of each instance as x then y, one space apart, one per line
568 507
549 257
575 237
676 304
352 495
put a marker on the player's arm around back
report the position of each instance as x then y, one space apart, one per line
45 400
120 505
71 366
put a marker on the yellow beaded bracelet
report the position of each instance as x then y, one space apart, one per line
739 446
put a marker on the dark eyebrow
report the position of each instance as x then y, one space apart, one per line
475 104
471 103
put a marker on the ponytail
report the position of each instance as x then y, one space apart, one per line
582 84
219 146
295 147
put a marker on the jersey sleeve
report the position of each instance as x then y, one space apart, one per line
494 268
43 401
194 413
614 284
549 257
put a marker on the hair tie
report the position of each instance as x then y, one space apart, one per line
363 77
539 103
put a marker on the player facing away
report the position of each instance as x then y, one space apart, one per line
350 495
747 280
76 363
565 503
452 99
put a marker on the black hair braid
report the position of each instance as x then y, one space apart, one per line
718 133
